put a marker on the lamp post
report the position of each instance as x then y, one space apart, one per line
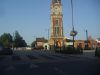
13 42
86 35
48 34
73 33
86 38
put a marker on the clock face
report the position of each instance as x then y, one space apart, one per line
56 10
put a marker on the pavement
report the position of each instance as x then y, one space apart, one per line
49 63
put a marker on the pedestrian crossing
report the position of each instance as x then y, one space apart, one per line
11 69
27 59
31 56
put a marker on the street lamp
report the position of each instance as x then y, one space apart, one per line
86 38
87 35
13 38
48 34
73 33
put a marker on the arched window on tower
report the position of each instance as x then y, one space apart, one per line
57 22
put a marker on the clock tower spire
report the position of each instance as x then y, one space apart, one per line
56 37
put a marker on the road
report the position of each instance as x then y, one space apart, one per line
49 63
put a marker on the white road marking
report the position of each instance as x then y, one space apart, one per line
31 66
60 71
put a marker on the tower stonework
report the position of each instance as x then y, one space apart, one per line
57 36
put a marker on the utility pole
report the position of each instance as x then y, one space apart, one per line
48 34
86 38
73 32
72 21
13 42
86 35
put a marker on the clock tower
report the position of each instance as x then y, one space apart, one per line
57 36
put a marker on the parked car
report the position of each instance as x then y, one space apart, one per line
1 48
5 51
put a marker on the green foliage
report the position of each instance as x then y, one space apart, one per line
18 40
6 40
97 52
33 44
1 44
70 50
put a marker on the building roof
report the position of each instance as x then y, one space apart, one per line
98 40
41 40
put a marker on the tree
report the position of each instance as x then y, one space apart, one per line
33 44
6 40
18 40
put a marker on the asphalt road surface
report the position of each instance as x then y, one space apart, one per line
49 63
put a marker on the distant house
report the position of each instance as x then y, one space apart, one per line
68 42
46 46
92 44
40 43
98 40
80 42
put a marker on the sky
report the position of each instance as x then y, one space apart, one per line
31 18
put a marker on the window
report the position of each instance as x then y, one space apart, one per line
57 22
56 31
